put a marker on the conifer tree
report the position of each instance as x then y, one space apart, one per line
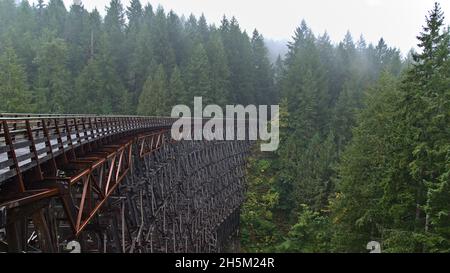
55 16
219 70
142 56
153 99
203 29
426 110
53 84
197 79
133 78
77 35
262 71
90 86
162 50
239 54
178 93
14 89
114 30
359 179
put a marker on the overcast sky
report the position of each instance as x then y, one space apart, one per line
398 21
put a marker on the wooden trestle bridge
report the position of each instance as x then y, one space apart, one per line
115 184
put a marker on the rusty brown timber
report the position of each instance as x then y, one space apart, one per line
115 184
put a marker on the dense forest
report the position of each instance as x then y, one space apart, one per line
135 60
365 149
365 135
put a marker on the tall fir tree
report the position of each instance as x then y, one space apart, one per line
55 16
78 37
114 31
219 70
426 111
359 180
153 100
53 84
14 89
197 79
262 71
239 55
163 52
178 94
134 70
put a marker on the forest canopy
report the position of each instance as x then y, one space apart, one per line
365 149
136 60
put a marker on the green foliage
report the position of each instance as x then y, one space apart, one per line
364 150
397 162
219 70
178 93
53 78
310 234
359 207
260 231
65 54
262 81
153 100
14 91
197 76
238 50
100 90
426 110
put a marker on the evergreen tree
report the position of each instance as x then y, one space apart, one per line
90 86
153 100
163 52
396 163
40 7
7 15
359 211
260 232
311 233
53 78
134 14
197 79
239 55
192 32
307 126
14 89
78 38
178 38
96 37
133 79
278 73
55 16
114 30
178 93
262 71
219 70
22 36
426 111
142 59
203 29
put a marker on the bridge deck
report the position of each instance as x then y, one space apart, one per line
28 141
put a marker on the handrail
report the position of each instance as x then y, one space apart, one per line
26 142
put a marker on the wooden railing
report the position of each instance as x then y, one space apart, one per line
30 140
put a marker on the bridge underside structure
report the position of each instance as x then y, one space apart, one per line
115 184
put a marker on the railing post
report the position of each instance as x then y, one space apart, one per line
12 155
34 151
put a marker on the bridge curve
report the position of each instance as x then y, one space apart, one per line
115 184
